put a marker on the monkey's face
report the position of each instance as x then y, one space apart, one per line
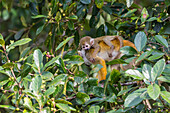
86 46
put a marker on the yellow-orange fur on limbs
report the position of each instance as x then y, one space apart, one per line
102 54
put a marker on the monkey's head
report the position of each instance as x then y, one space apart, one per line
86 43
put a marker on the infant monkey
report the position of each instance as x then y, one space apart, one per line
87 42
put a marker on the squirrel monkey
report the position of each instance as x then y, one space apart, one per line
87 43
102 55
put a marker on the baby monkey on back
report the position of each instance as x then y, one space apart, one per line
87 43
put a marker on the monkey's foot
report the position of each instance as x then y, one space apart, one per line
110 55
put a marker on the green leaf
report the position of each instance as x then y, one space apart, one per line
133 99
115 75
144 15
73 17
144 55
38 16
96 68
140 41
152 19
124 91
8 65
38 58
32 7
116 61
167 70
128 50
107 9
36 84
19 34
52 61
71 25
161 40
156 56
99 3
39 29
63 43
7 107
81 98
146 70
129 13
99 91
63 107
166 95
94 109
164 78
57 80
1 37
46 75
157 69
153 91
20 42
129 3
135 74
28 104
49 91
85 1
58 16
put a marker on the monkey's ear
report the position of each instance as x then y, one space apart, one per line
91 41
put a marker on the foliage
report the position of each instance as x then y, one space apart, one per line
37 74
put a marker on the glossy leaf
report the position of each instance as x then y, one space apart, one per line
46 75
73 17
165 78
19 34
156 56
2 42
94 109
20 42
85 1
99 3
129 13
52 61
7 107
63 43
36 84
107 9
39 30
166 95
161 40
81 98
153 91
152 19
28 104
57 80
116 61
71 25
133 99
129 3
128 50
135 74
38 58
144 55
38 16
157 69
63 107
146 70
140 40
49 91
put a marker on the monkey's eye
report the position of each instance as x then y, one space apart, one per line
86 45
83 46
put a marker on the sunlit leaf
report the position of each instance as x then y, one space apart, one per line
94 109
153 91
63 107
157 69
161 40
165 95
140 40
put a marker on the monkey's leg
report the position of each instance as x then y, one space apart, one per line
107 40
103 71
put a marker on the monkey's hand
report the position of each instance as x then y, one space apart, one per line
92 60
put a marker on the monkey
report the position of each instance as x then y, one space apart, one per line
87 42
102 55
